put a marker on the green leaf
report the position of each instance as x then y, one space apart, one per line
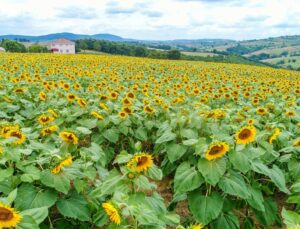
5 173
166 137
27 222
256 199
275 174
57 181
290 218
154 173
122 157
186 178
175 151
111 135
190 142
141 133
74 207
38 214
226 221
235 185
12 196
189 134
269 216
240 160
83 130
205 208
29 197
213 170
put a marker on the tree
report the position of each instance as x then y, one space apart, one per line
13 46
97 46
174 54
37 49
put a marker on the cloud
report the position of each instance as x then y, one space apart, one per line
154 14
74 12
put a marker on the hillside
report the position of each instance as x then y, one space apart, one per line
282 51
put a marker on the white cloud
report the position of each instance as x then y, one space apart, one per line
149 19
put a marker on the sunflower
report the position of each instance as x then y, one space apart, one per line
71 97
17 134
245 135
68 137
97 115
127 102
6 129
127 110
64 163
275 135
149 109
48 130
140 162
196 226
250 121
9 217
42 96
54 114
297 142
261 111
216 150
45 119
81 102
122 115
290 113
114 95
112 213
103 106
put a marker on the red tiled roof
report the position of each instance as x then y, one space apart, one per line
62 41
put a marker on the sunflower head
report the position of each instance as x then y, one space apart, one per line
297 142
196 226
45 119
97 115
140 162
9 217
245 135
17 134
48 130
68 137
112 212
290 113
216 150
261 111
274 135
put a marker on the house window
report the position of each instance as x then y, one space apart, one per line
67 50
61 51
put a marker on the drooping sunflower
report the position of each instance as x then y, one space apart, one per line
275 135
97 115
148 109
68 137
81 102
112 213
103 106
42 96
66 162
250 121
9 217
17 134
54 114
216 150
45 119
140 162
245 135
297 142
48 130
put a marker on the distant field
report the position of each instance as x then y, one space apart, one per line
288 61
276 51
204 54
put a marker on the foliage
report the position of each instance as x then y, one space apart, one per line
95 141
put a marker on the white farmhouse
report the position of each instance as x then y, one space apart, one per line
2 49
62 46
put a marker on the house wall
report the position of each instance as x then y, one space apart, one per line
64 48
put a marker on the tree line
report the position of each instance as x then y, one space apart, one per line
14 46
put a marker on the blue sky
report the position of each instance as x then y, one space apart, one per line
149 19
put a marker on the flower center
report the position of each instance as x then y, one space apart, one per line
245 134
215 150
142 161
5 214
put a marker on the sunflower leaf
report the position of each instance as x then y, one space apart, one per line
213 170
205 208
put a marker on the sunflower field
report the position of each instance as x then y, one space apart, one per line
92 141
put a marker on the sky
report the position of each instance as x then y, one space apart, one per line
153 19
